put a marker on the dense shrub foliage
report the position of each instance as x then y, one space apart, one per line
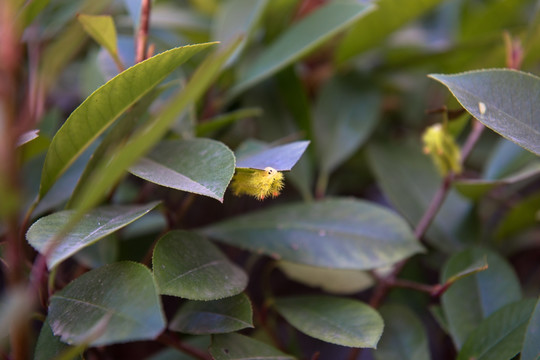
256 179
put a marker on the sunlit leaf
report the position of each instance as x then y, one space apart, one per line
98 112
503 100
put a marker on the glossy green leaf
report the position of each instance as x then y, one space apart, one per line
189 266
240 347
110 170
123 294
101 28
335 233
301 38
371 30
94 226
503 100
98 112
470 300
339 321
281 158
49 346
345 115
334 281
531 343
404 336
500 336
213 317
409 180
200 166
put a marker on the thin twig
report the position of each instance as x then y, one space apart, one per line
170 339
472 139
142 34
386 283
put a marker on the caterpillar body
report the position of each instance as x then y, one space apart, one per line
257 183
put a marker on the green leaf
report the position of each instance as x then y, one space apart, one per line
221 121
339 321
475 189
500 336
213 317
200 166
281 158
470 300
521 215
27 137
475 267
101 28
334 281
239 347
303 37
388 16
531 344
293 94
506 159
404 336
49 346
133 8
123 293
189 266
30 10
110 170
503 100
335 233
409 180
237 18
98 223
98 112
345 115
119 132
200 342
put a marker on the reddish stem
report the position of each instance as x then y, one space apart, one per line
142 34
170 339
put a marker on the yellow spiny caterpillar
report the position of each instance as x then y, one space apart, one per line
443 149
257 183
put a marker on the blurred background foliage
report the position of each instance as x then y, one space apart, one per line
353 83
